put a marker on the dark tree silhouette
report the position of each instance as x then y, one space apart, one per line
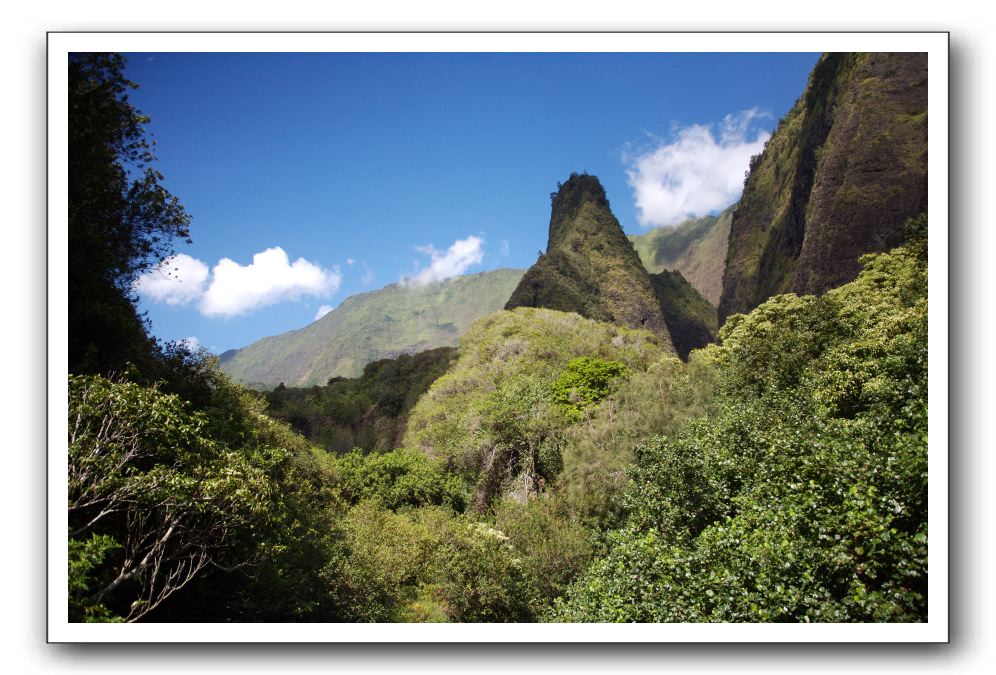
122 221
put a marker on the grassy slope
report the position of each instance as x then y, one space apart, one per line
371 326
695 247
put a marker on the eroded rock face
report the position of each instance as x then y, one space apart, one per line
841 174
590 267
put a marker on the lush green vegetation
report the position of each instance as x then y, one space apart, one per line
496 416
804 498
394 320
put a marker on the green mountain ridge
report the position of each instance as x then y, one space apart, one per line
844 170
695 247
380 324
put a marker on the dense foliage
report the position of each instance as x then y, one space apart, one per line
585 382
804 498
368 412
157 495
496 416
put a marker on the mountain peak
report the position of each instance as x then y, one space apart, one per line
579 190
590 267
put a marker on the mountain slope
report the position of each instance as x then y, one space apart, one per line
590 267
689 316
695 247
370 326
843 171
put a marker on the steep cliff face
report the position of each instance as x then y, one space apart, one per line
841 174
696 248
590 267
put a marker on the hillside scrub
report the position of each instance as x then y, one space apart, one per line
804 498
494 417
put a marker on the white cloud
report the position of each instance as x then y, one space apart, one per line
322 311
191 343
270 278
697 172
350 261
231 289
178 280
461 254
368 275
504 248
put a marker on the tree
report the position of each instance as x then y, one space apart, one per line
122 221
154 499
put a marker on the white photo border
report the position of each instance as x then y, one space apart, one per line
935 44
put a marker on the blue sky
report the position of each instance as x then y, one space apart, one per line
366 169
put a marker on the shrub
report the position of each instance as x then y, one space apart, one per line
399 478
431 564
585 382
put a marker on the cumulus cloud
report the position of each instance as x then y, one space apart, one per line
191 343
270 278
322 311
699 170
178 280
231 289
462 254
350 261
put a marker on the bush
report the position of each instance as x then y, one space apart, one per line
553 544
429 564
585 382
153 500
399 478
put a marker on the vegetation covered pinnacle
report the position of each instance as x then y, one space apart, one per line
590 267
